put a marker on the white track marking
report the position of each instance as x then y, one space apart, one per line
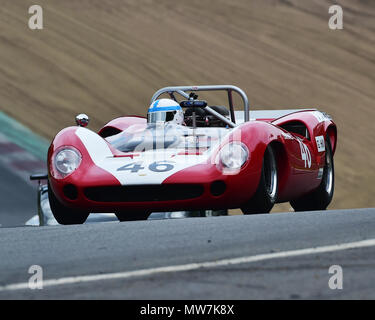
193 266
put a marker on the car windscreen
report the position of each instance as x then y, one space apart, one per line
166 136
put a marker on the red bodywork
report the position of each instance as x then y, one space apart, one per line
295 178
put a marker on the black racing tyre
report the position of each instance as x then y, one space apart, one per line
132 215
322 196
266 194
63 214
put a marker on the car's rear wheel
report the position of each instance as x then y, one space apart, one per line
132 215
63 214
321 197
266 194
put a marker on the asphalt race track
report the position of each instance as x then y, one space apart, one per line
123 260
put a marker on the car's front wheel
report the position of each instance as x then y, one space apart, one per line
321 197
63 214
266 194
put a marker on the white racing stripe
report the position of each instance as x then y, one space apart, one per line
193 266
148 167
102 156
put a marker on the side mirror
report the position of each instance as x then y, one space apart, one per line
82 120
193 103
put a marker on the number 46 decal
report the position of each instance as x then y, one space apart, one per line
158 166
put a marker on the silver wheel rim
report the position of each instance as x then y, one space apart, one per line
271 178
329 170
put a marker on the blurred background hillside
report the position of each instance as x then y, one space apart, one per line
107 57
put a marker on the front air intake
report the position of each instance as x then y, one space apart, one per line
144 193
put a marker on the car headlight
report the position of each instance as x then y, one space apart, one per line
234 155
67 160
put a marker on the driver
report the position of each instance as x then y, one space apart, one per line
165 110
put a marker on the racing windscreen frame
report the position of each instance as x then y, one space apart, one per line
182 90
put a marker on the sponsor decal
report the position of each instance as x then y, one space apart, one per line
305 154
320 143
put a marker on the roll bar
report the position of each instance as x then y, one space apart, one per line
181 90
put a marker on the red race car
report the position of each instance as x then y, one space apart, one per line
190 155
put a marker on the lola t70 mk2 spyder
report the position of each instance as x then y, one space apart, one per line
213 158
